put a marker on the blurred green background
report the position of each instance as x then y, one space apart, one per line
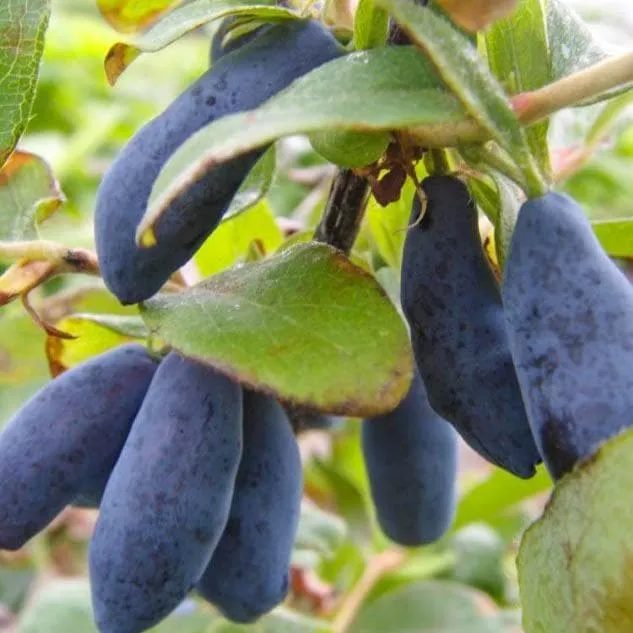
464 584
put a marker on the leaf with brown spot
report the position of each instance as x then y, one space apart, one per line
131 16
29 194
576 562
306 325
23 24
117 59
475 15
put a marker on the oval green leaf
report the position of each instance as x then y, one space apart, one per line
350 149
428 607
576 562
306 325
23 24
518 54
377 90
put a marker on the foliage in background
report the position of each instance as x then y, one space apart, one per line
347 576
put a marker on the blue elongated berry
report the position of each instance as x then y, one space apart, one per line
168 498
411 460
242 80
569 316
453 306
248 573
67 435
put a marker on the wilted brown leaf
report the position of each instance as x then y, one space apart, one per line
22 277
117 59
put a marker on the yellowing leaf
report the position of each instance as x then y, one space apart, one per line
129 16
474 15
94 334
233 237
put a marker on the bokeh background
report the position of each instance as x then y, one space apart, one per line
464 584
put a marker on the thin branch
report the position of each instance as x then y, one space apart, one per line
344 212
581 86
71 260
534 106
378 566
349 194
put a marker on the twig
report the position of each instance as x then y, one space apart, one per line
344 212
378 566
348 196
581 86
78 260
532 107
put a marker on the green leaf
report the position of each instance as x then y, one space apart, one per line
306 325
16 581
371 25
427 606
29 193
231 240
255 185
573 46
497 494
486 196
607 118
23 24
616 236
280 621
510 200
319 531
350 149
576 562
184 19
349 501
479 551
466 75
62 606
518 54
382 89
